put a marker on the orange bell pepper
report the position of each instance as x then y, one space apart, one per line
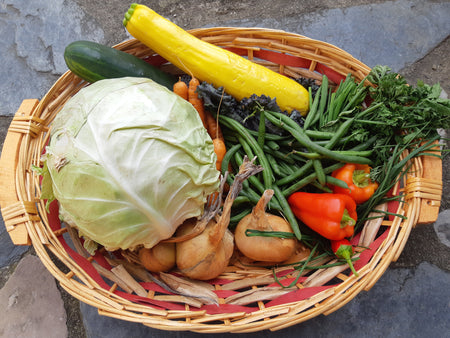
361 187
333 216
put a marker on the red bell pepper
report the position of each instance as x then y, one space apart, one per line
361 187
343 249
333 216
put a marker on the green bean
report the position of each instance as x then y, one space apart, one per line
361 91
279 155
329 116
343 128
342 95
321 187
365 145
254 197
319 171
274 165
261 129
287 168
240 200
322 142
236 218
273 145
267 136
313 110
323 101
287 211
317 134
316 156
286 123
247 149
229 138
267 172
337 182
300 172
228 155
308 179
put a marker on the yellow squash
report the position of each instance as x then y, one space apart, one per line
237 75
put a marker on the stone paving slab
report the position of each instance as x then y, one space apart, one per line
394 33
410 299
32 45
30 303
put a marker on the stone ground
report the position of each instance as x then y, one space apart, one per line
410 299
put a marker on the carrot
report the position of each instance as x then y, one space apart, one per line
195 100
180 88
220 150
209 122
213 126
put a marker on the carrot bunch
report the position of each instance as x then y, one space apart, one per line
189 93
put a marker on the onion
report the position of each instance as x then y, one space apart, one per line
159 258
207 255
262 248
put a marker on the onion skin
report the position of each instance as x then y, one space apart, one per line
160 258
199 258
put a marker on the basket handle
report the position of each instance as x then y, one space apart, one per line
428 188
15 211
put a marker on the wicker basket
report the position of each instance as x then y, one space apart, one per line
93 280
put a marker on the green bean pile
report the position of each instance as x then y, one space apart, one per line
301 157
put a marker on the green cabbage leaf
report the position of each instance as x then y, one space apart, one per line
128 161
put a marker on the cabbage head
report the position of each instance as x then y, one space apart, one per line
128 161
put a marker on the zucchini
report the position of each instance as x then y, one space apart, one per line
93 61
239 77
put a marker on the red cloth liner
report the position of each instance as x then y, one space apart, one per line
225 293
367 254
155 60
101 260
84 264
53 216
393 207
150 286
163 305
287 281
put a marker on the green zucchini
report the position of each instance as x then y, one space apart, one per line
93 61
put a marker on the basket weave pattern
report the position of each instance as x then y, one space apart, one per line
97 281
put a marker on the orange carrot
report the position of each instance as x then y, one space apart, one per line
195 100
180 88
220 150
212 126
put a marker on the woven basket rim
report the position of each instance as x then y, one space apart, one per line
25 210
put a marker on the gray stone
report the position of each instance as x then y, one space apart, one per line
442 227
394 33
30 303
33 49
